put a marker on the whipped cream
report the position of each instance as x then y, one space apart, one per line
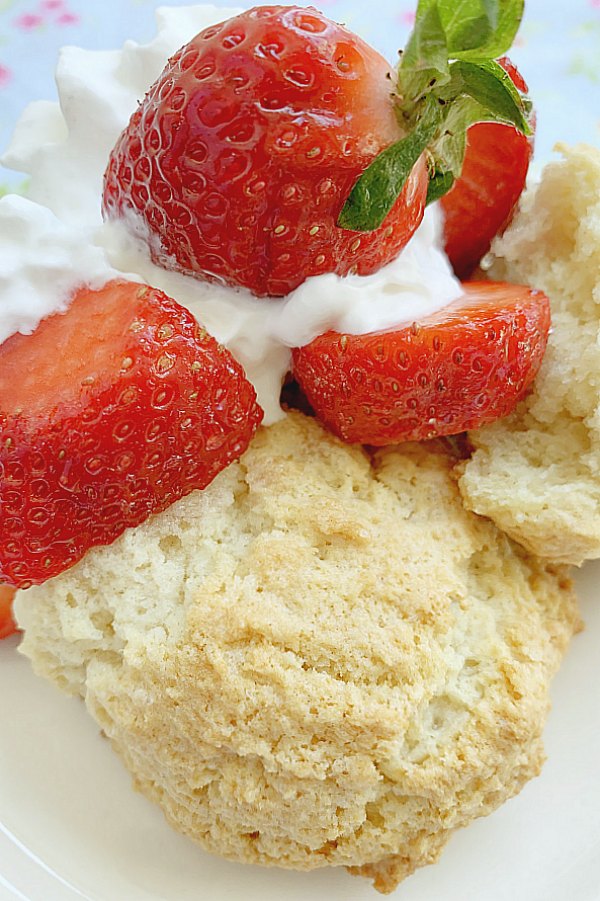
56 241
41 261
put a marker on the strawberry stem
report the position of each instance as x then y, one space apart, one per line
448 79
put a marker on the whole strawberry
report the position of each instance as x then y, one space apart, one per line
278 145
244 151
108 413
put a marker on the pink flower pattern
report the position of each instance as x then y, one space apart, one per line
5 76
49 12
29 21
67 18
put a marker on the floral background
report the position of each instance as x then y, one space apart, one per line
558 51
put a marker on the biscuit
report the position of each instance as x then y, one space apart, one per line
322 659
536 474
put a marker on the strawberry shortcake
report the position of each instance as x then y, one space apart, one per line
255 410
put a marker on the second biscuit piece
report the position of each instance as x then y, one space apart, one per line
537 472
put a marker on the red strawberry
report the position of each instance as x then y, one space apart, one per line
241 156
7 622
109 413
464 366
483 199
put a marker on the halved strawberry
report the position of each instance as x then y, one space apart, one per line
7 622
464 366
108 413
483 199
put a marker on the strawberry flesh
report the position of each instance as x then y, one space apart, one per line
467 365
482 201
243 153
108 413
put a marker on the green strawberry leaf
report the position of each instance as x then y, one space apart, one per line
492 87
480 29
447 150
426 55
440 183
376 191
468 24
447 81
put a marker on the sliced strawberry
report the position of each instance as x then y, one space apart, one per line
109 413
464 366
483 199
8 625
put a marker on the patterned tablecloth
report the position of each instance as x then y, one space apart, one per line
558 51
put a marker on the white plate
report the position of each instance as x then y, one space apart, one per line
71 827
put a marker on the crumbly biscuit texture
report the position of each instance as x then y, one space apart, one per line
537 473
320 659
